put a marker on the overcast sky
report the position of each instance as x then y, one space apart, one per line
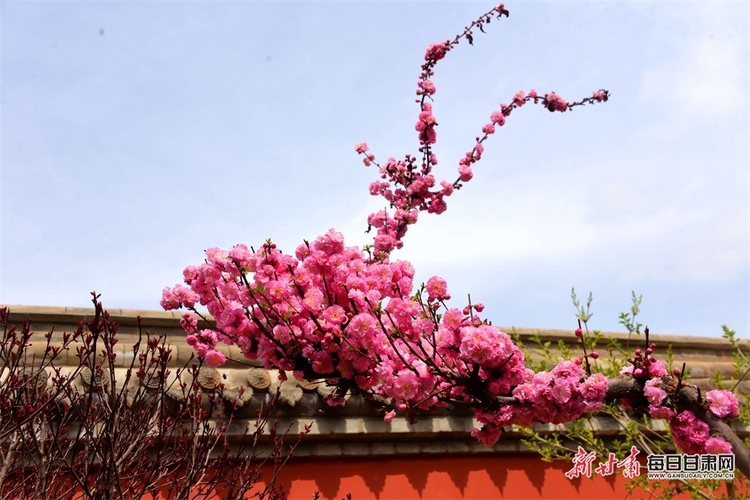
137 134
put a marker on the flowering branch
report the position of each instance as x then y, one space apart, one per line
352 317
626 387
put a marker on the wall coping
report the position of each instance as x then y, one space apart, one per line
154 318
357 429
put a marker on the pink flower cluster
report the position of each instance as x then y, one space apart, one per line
723 403
436 51
426 124
645 366
561 395
690 434
331 312
554 102
657 398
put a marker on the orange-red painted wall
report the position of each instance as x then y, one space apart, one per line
454 477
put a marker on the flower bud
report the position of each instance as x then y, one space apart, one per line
579 333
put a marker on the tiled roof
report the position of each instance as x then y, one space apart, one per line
357 428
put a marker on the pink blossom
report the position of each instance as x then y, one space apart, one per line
313 299
331 242
208 337
485 345
562 391
427 87
595 388
242 255
526 392
334 314
447 188
723 403
656 368
384 243
427 119
189 322
452 318
716 445
437 289
488 434
653 392
567 369
689 433
478 150
497 118
201 349
554 102
436 52
282 333
465 173
322 362
362 325
361 147
428 136
405 385
215 358
169 301
661 412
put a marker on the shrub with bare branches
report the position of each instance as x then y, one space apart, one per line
75 423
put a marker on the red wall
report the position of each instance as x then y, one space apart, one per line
454 477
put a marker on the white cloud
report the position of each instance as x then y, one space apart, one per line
720 246
521 217
707 78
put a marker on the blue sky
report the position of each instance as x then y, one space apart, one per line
137 134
